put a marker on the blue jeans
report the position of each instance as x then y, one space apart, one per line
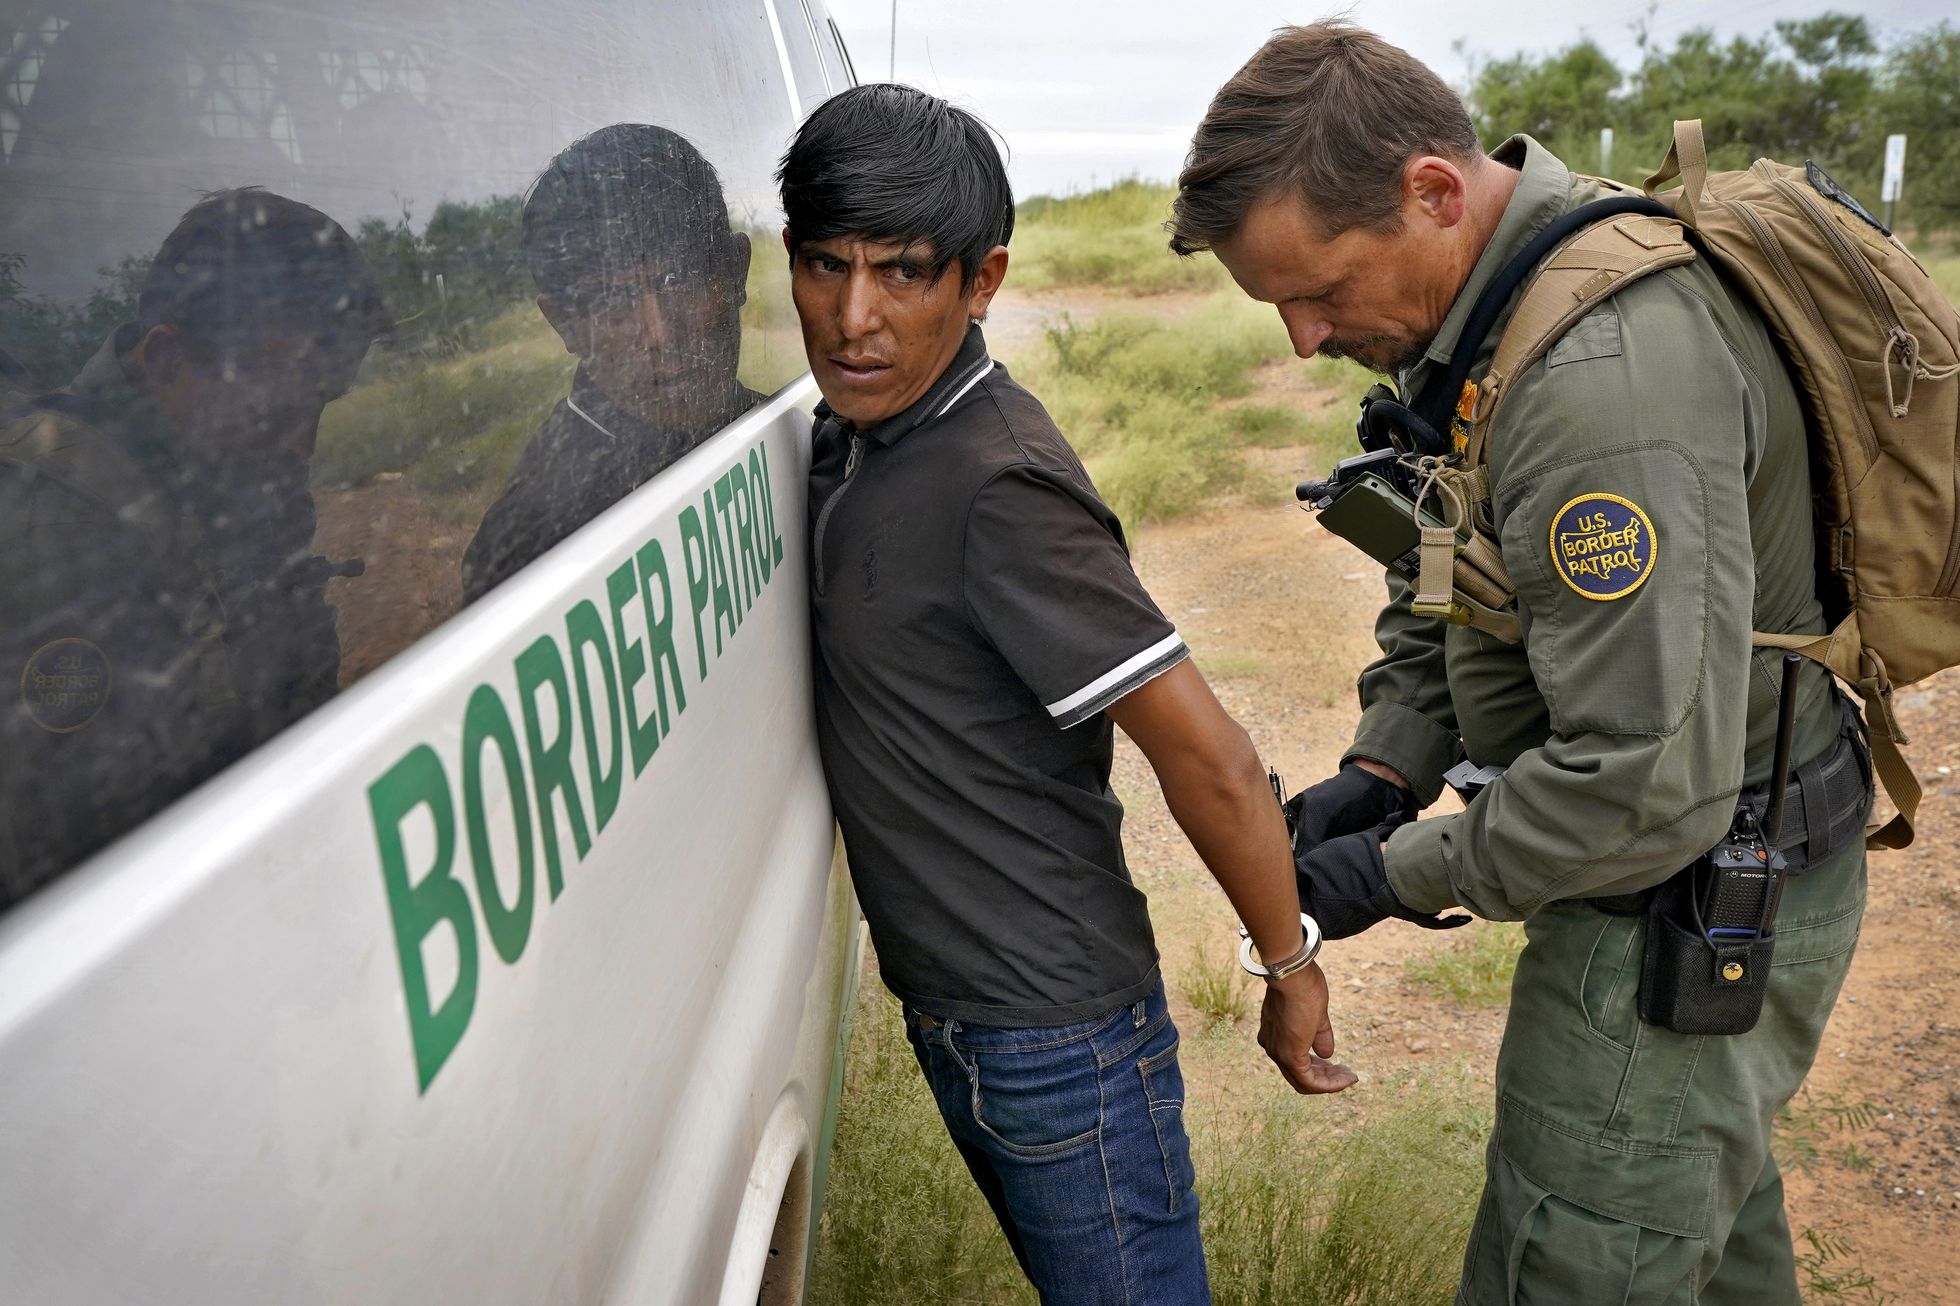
1075 1134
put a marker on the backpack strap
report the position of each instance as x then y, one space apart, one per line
1567 271
1843 653
1610 242
1586 271
1442 396
1687 158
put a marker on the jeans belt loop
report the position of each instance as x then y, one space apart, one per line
1136 1014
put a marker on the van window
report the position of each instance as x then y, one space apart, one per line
317 326
800 40
836 57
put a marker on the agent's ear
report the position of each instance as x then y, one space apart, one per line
160 366
1435 188
157 360
986 281
571 328
739 254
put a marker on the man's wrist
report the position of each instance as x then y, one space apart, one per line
1293 961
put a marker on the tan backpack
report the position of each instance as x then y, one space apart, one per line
1875 349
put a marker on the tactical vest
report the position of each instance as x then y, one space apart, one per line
1875 350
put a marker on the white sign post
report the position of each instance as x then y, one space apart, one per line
1895 174
1605 151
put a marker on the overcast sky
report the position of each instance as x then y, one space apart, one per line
1086 91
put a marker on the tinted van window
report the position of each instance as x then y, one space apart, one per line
836 59
800 41
316 326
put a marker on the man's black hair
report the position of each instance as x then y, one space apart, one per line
892 163
616 198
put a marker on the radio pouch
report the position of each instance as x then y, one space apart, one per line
1693 980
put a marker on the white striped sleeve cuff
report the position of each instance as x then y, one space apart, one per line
1119 680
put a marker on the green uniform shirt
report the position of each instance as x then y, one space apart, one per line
184 597
1650 484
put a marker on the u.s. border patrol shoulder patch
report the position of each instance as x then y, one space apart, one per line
1604 546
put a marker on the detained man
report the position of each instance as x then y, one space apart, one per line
626 236
978 632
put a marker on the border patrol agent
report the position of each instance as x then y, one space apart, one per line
161 607
1649 485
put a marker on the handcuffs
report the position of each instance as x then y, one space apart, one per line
1299 961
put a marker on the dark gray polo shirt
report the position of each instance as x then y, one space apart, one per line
974 612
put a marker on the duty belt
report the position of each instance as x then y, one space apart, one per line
1826 802
1824 809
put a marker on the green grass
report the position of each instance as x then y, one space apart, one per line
455 420
1473 966
1829 1267
1809 1136
1152 403
1217 988
1378 1213
1805 1133
1226 663
456 425
1293 1209
1945 271
1112 237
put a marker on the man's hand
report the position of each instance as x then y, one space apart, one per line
1217 790
1297 1035
1344 886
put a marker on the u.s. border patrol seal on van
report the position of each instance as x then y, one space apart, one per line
65 685
1603 546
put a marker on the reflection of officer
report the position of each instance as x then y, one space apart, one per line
1650 488
162 607
627 238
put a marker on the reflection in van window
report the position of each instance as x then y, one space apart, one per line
627 239
159 589
425 316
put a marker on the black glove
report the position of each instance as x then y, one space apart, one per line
1344 886
1347 802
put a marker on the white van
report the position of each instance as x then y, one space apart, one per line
508 962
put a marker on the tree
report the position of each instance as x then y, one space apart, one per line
1921 98
462 269
1806 91
1570 94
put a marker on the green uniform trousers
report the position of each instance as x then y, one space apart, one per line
1631 1164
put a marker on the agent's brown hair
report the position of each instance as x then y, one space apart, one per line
1329 112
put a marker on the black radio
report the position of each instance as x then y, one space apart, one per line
1711 929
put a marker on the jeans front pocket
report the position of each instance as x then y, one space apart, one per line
1163 1090
1036 1103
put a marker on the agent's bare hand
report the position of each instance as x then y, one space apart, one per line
1297 1034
